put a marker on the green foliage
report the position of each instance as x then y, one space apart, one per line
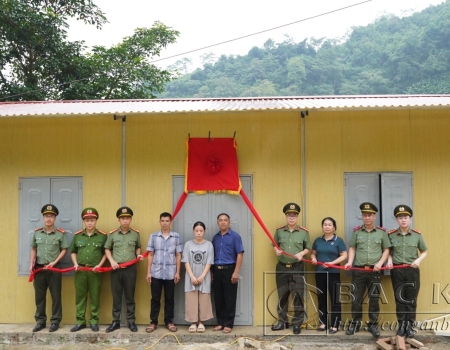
37 62
390 56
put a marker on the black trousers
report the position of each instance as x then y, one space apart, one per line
225 295
123 281
290 281
406 283
332 287
156 288
371 281
52 281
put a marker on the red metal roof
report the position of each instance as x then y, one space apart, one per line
128 107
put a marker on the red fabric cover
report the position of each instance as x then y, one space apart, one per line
212 165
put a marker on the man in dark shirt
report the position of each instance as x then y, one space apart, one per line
228 257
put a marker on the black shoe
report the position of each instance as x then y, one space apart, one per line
352 329
54 327
132 326
332 331
410 333
94 327
115 325
39 327
280 326
296 329
77 327
401 332
321 329
374 330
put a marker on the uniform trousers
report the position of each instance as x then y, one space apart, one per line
326 281
290 281
225 295
371 281
156 287
123 282
43 280
406 283
87 282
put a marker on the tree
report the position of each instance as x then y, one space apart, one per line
37 62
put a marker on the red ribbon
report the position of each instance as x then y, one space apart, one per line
261 223
98 269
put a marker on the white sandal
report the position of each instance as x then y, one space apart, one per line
201 328
193 328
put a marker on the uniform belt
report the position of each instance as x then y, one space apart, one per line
289 265
225 267
401 264
367 267
87 265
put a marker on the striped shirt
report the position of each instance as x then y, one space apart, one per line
164 264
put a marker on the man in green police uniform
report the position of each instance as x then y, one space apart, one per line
406 245
87 250
369 249
123 245
292 239
48 247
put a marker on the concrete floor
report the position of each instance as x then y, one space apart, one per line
21 337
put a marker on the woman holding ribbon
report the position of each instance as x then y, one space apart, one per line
328 249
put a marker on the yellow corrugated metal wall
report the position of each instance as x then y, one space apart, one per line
385 141
87 147
269 149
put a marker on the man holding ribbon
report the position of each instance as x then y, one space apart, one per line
48 247
123 245
408 248
88 250
369 249
294 240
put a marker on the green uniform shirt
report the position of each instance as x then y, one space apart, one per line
123 245
89 249
405 248
48 246
291 242
369 246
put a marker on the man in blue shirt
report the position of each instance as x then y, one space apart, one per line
228 257
163 271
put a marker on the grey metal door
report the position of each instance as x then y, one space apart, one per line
206 208
65 193
385 190
396 188
359 188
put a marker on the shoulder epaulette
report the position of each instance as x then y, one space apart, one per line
135 229
392 231
112 231
381 228
280 227
78 232
416 231
60 230
357 228
38 229
304 228
102 232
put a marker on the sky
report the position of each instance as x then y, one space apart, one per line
203 23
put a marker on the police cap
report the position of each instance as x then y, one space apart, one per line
49 209
402 209
124 211
291 208
89 213
368 207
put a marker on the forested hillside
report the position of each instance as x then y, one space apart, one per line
390 56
